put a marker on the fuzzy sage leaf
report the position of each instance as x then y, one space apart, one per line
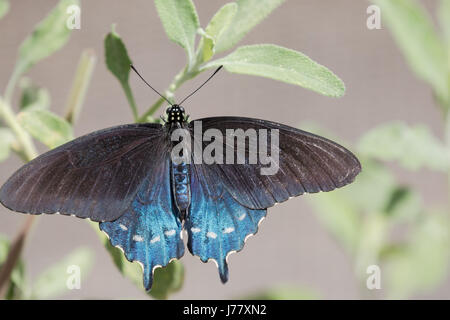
216 27
412 147
45 126
180 21
49 36
249 14
281 64
53 281
414 33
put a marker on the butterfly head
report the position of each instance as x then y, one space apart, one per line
175 114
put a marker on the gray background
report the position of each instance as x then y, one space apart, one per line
291 247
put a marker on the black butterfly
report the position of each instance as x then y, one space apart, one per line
124 178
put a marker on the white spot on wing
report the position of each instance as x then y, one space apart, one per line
195 230
123 227
242 217
155 239
228 230
169 232
211 234
138 238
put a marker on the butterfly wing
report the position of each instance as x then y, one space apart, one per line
307 163
95 176
217 224
150 230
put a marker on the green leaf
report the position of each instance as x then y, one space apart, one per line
116 55
118 62
281 64
444 19
180 21
374 179
412 147
342 210
130 270
45 126
4 8
422 263
249 14
33 96
221 20
53 282
415 35
48 36
404 204
167 280
216 27
339 215
206 47
6 140
374 231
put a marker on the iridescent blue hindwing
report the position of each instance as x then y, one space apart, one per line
217 224
150 230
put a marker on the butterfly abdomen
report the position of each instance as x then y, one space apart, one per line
181 186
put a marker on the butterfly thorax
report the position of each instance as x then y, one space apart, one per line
175 115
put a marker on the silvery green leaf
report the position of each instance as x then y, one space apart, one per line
53 282
48 36
249 14
413 147
180 21
416 36
278 63
45 126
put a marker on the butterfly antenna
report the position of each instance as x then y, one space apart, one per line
134 69
217 70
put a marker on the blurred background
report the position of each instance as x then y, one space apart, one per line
295 247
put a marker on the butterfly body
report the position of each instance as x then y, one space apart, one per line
181 186
126 178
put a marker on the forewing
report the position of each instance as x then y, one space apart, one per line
307 163
95 176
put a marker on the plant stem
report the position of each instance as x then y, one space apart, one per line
14 254
131 101
80 84
27 152
23 138
11 85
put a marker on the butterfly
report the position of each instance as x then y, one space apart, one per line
125 178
